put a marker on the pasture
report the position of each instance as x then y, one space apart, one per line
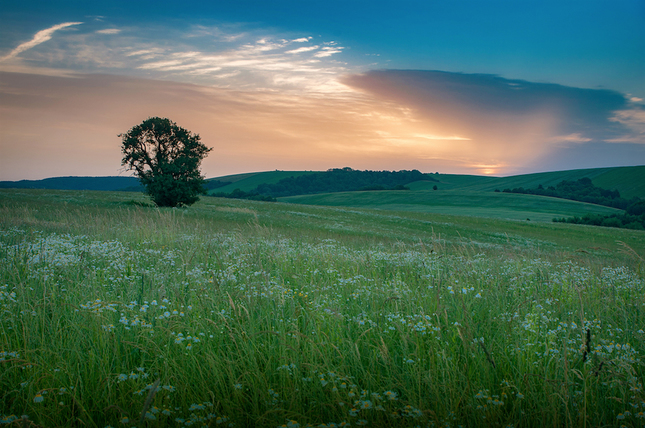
240 313
458 202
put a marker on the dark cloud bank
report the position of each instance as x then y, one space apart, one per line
584 119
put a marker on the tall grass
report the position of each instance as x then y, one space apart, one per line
250 314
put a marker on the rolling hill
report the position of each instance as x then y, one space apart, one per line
77 183
457 202
456 195
249 181
628 180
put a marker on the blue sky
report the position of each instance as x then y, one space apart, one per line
495 87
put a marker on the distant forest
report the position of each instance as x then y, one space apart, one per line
341 180
633 218
582 190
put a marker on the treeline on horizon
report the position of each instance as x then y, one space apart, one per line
341 180
330 181
632 218
582 190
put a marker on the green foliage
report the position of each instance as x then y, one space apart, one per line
626 220
582 190
341 180
637 208
215 184
248 182
166 159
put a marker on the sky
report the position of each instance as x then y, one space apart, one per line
467 87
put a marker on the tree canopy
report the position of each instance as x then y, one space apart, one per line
166 158
582 190
341 180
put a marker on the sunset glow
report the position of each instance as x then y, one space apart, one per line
273 91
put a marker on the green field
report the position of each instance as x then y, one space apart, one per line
629 180
240 313
458 202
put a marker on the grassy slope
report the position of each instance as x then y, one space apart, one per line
458 202
107 212
629 180
451 181
250 181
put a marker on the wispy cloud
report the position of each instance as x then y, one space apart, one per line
40 37
634 120
570 138
439 137
263 63
109 31
304 49
328 51
222 56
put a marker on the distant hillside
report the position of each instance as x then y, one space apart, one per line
77 183
249 181
458 202
628 180
581 190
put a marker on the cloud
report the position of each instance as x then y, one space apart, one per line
152 52
254 130
439 137
252 59
271 101
634 120
265 63
505 121
40 37
303 49
250 129
109 31
328 51
571 138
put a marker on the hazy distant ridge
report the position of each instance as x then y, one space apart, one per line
630 181
77 183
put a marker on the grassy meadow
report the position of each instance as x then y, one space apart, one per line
458 202
240 313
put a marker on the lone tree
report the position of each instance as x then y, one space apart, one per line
166 159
